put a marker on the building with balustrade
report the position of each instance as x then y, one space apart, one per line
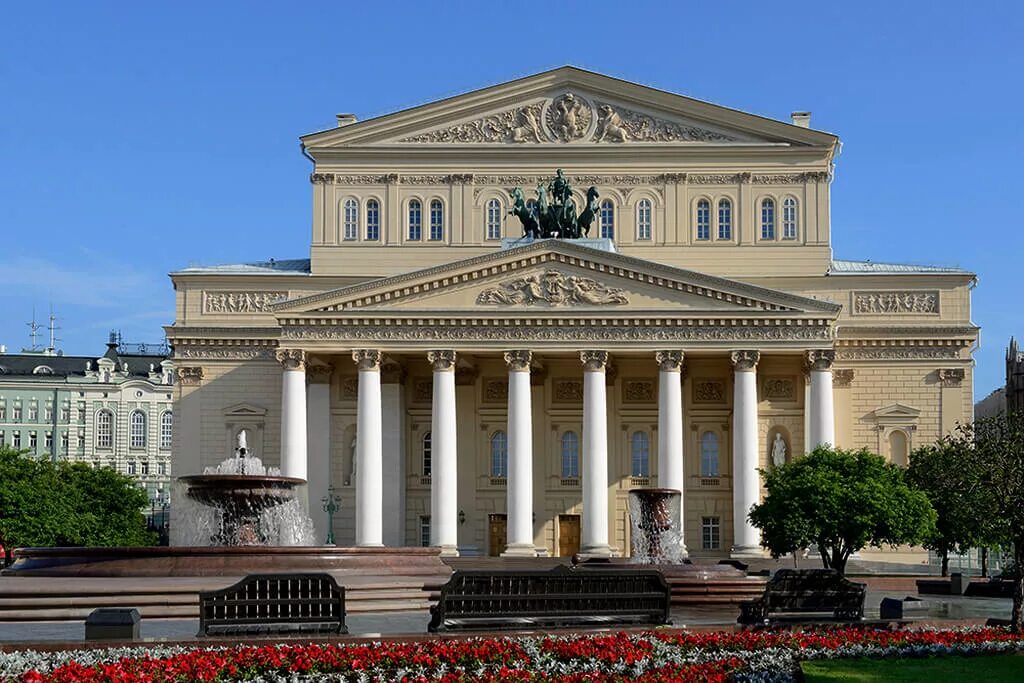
458 385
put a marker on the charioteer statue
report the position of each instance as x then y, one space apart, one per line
553 214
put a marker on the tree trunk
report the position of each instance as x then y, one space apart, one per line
945 563
1018 586
984 563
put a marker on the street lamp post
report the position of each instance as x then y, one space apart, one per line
330 502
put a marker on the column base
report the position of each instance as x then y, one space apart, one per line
596 551
448 550
369 545
748 552
520 550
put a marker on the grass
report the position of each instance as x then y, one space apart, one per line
987 668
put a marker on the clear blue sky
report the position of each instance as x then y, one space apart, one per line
140 137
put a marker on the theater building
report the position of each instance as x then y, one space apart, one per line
457 385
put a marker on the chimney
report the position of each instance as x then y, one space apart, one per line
800 118
345 119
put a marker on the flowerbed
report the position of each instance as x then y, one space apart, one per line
657 656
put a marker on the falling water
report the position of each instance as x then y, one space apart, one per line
656 528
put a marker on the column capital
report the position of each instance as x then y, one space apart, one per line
518 361
821 360
319 373
367 359
442 360
669 361
291 359
594 361
745 361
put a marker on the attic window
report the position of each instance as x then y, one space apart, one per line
43 370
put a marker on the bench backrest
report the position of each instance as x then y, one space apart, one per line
268 599
811 589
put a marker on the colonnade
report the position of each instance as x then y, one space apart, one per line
594 461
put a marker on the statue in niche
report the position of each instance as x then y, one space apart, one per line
352 456
779 450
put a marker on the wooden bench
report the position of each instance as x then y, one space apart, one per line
806 595
274 604
562 597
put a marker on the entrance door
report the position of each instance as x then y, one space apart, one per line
568 535
497 532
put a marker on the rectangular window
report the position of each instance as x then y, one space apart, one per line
724 220
33 412
131 467
643 220
145 467
33 441
372 220
48 442
2 435
436 221
607 220
494 216
64 442
16 440
3 412
16 414
81 440
415 221
767 219
710 533
350 219
65 413
425 531
703 220
81 415
789 219
162 468
48 413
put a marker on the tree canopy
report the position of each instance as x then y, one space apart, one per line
43 503
842 501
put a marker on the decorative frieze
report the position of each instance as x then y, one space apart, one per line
495 390
619 124
224 352
442 361
219 302
788 178
897 353
951 377
713 178
291 359
895 302
638 391
779 388
552 288
567 390
189 375
708 391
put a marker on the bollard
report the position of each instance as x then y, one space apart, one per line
113 623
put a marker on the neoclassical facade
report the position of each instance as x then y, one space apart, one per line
459 386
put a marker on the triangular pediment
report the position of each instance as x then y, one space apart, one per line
897 411
567 106
549 276
245 410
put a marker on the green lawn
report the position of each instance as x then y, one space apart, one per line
987 668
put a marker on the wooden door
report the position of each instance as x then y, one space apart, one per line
497 532
568 535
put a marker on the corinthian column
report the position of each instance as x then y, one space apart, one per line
520 456
670 429
318 438
444 507
369 451
293 412
745 482
594 539
823 420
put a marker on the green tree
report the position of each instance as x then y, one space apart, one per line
43 503
948 473
995 450
841 501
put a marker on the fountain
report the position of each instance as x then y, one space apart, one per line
237 518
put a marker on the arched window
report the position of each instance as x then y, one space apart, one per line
499 455
104 429
607 219
724 219
709 455
643 220
373 220
789 219
166 427
436 220
703 220
640 449
415 220
570 455
426 449
493 219
137 429
898 447
350 219
767 219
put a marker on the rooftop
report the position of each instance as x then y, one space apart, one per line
841 267
296 266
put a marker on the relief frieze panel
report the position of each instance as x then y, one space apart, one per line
779 388
896 302
552 288
567 390
707 390
638 390
220 302
495 390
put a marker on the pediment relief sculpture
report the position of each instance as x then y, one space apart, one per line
552 288
570 117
